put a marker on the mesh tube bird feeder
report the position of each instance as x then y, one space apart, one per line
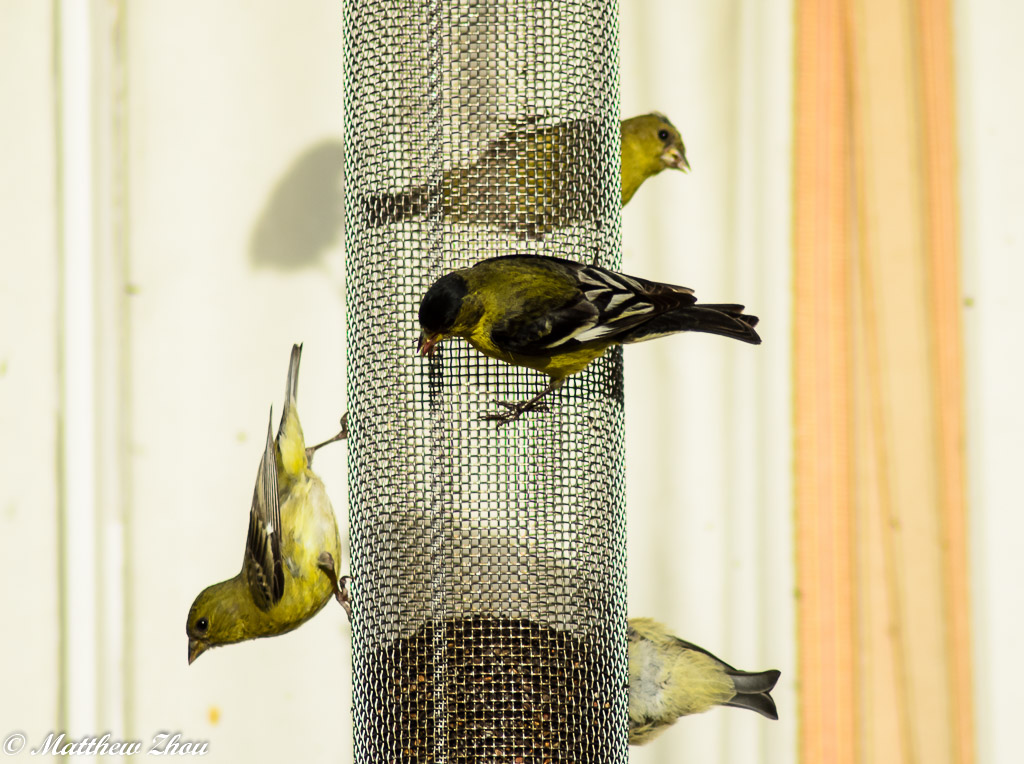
488 563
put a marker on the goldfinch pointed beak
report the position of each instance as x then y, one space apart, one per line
673 157
195 649
426 344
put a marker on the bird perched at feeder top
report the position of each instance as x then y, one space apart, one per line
669 678
288 570
556 316
534 179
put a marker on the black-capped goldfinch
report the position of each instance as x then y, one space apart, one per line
291 552
556 316
669 678
530 180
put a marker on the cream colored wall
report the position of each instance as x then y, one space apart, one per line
990 112
216 161
708 422
30 484
234 177
216 244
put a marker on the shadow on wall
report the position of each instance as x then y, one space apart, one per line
305 213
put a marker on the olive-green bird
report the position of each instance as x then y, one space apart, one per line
291 551
669 678
532 180
650 144
556 316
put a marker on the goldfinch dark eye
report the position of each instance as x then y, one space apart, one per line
202 625
663 135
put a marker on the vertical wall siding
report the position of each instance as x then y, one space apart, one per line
234 171
29 391
708 423
990 154
76 344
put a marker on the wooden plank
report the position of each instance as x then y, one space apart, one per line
822 483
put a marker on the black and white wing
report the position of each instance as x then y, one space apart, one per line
264 563
594 306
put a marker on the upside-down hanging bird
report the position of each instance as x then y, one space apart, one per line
669 678
292 550
556 316
533 179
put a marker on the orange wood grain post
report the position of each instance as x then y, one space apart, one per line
883 614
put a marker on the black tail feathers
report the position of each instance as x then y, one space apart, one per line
725 320
752 691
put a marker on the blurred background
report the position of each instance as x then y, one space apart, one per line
841 505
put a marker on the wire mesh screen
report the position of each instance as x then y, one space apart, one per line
488 563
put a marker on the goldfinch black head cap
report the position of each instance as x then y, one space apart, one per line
442 302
